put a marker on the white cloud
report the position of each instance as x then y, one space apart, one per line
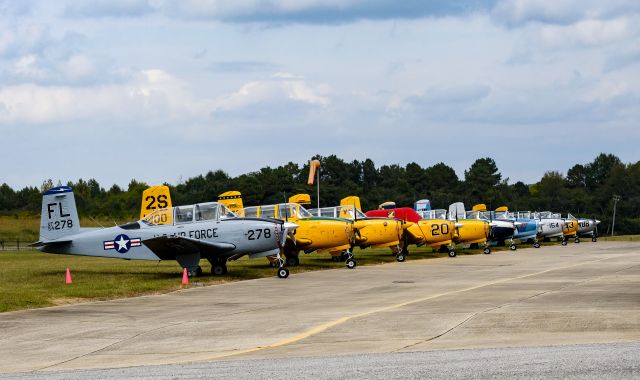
587 32
518 12
282 87
152 97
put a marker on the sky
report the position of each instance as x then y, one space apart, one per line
161 91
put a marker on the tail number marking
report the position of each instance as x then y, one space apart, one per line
60 225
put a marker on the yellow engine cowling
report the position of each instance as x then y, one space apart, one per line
472 231
378 233
324 234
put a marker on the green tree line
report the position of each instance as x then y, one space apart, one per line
586 190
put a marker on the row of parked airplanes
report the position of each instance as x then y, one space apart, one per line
227 230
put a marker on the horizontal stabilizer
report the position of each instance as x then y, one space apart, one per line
49 243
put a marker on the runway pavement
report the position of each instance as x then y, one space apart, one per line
580 294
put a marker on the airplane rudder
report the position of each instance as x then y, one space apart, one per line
233 201
59 215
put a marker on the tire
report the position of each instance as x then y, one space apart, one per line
564 242
400 258
513 247
536 245
218 269
487 251
350 263
283 272
452 253
594 239
577 240
292 261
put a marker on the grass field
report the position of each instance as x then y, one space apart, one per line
30 279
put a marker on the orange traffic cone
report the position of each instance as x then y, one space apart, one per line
185 277
67 279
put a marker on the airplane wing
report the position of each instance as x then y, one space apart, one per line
168 247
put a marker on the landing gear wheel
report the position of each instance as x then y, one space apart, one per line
350 263
594 239
486 251
292 261
513 247
400 257
577 240
452 253
195 273
283 272
218 269
536 245
564 242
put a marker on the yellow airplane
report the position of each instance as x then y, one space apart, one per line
369 232
418 231
314 234
570 229
467 231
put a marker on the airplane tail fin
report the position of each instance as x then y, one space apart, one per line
59 215
157 198
302 199
352 200
233 200
457 211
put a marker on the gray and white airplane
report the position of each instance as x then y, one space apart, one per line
201 231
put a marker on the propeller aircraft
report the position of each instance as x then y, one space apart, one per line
375 232
527 229
500 229
313 234
437 233
588 227
200 231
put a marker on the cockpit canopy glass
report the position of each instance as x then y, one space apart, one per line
280 211
189 214
346 212
433 214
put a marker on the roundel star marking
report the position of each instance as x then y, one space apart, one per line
123 243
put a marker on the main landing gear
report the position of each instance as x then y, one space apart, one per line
218 266
486 250
451 250
402 255
564 240
282 271
576 240
350 263
536 244
197 272
513 246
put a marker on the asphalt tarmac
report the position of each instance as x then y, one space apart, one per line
582 299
